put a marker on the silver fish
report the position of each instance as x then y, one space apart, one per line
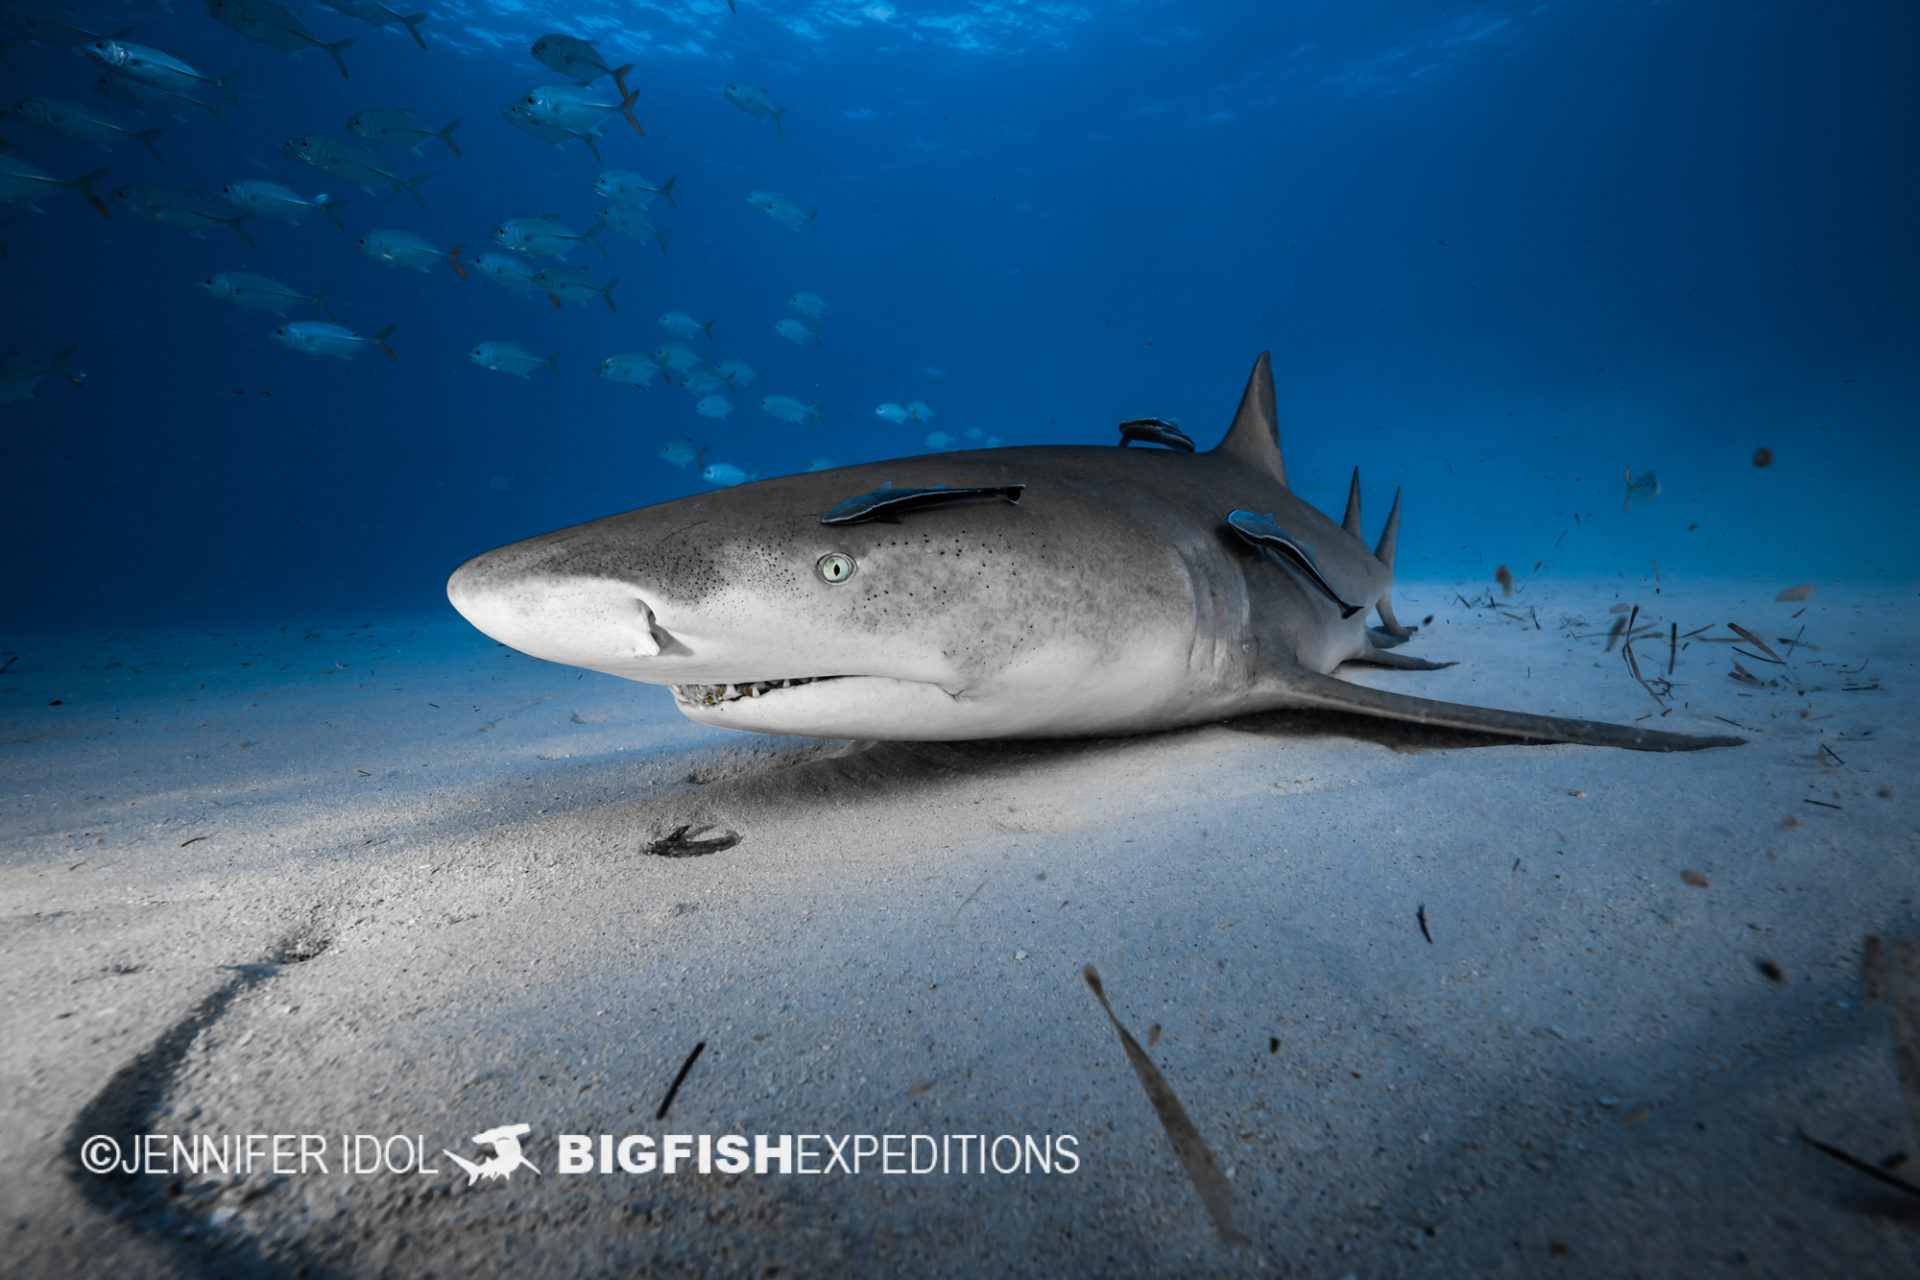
781 209
49 23
323 338
178 208
788 409
625 187
352 163
753 100
632 224
156 67
570 284
245 290
394 127
25 184
572 56
793 331
524 118
273 25
634 370
81 123
508 270
145 97
543 235
380 15
576 106
271 200
408 249
511 357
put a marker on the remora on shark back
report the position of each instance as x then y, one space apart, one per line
1018 592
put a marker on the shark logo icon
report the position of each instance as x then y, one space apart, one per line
506 1157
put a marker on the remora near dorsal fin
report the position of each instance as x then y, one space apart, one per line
1352 523
1254 437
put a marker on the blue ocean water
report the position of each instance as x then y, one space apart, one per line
1505 257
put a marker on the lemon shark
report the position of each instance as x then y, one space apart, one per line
1045 591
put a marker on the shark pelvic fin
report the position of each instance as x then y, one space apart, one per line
1308 688
1394 632
1352 522
1254 437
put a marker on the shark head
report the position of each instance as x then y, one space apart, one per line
945 620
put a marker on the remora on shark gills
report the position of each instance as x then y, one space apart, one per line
1120 591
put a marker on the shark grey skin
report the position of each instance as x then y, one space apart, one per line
1112 596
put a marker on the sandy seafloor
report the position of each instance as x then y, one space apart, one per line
390 879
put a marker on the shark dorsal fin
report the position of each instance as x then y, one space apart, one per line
1254 437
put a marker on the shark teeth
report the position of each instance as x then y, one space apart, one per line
712 695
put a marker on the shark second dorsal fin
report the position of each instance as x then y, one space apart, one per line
1254 437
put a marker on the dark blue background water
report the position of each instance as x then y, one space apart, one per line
1501 254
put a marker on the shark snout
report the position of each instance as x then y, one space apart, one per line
588 622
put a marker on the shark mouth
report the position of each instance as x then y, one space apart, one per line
712 695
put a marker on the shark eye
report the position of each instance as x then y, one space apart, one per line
834 568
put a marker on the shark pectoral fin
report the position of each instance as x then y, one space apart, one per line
1264 534
1310 689
1399 661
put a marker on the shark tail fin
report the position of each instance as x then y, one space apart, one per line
1352 521
1308 688
1254 437
380 340
446 135
607 293
453 256
84 184
146 137
666 190
473 1170
334 50
412 22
